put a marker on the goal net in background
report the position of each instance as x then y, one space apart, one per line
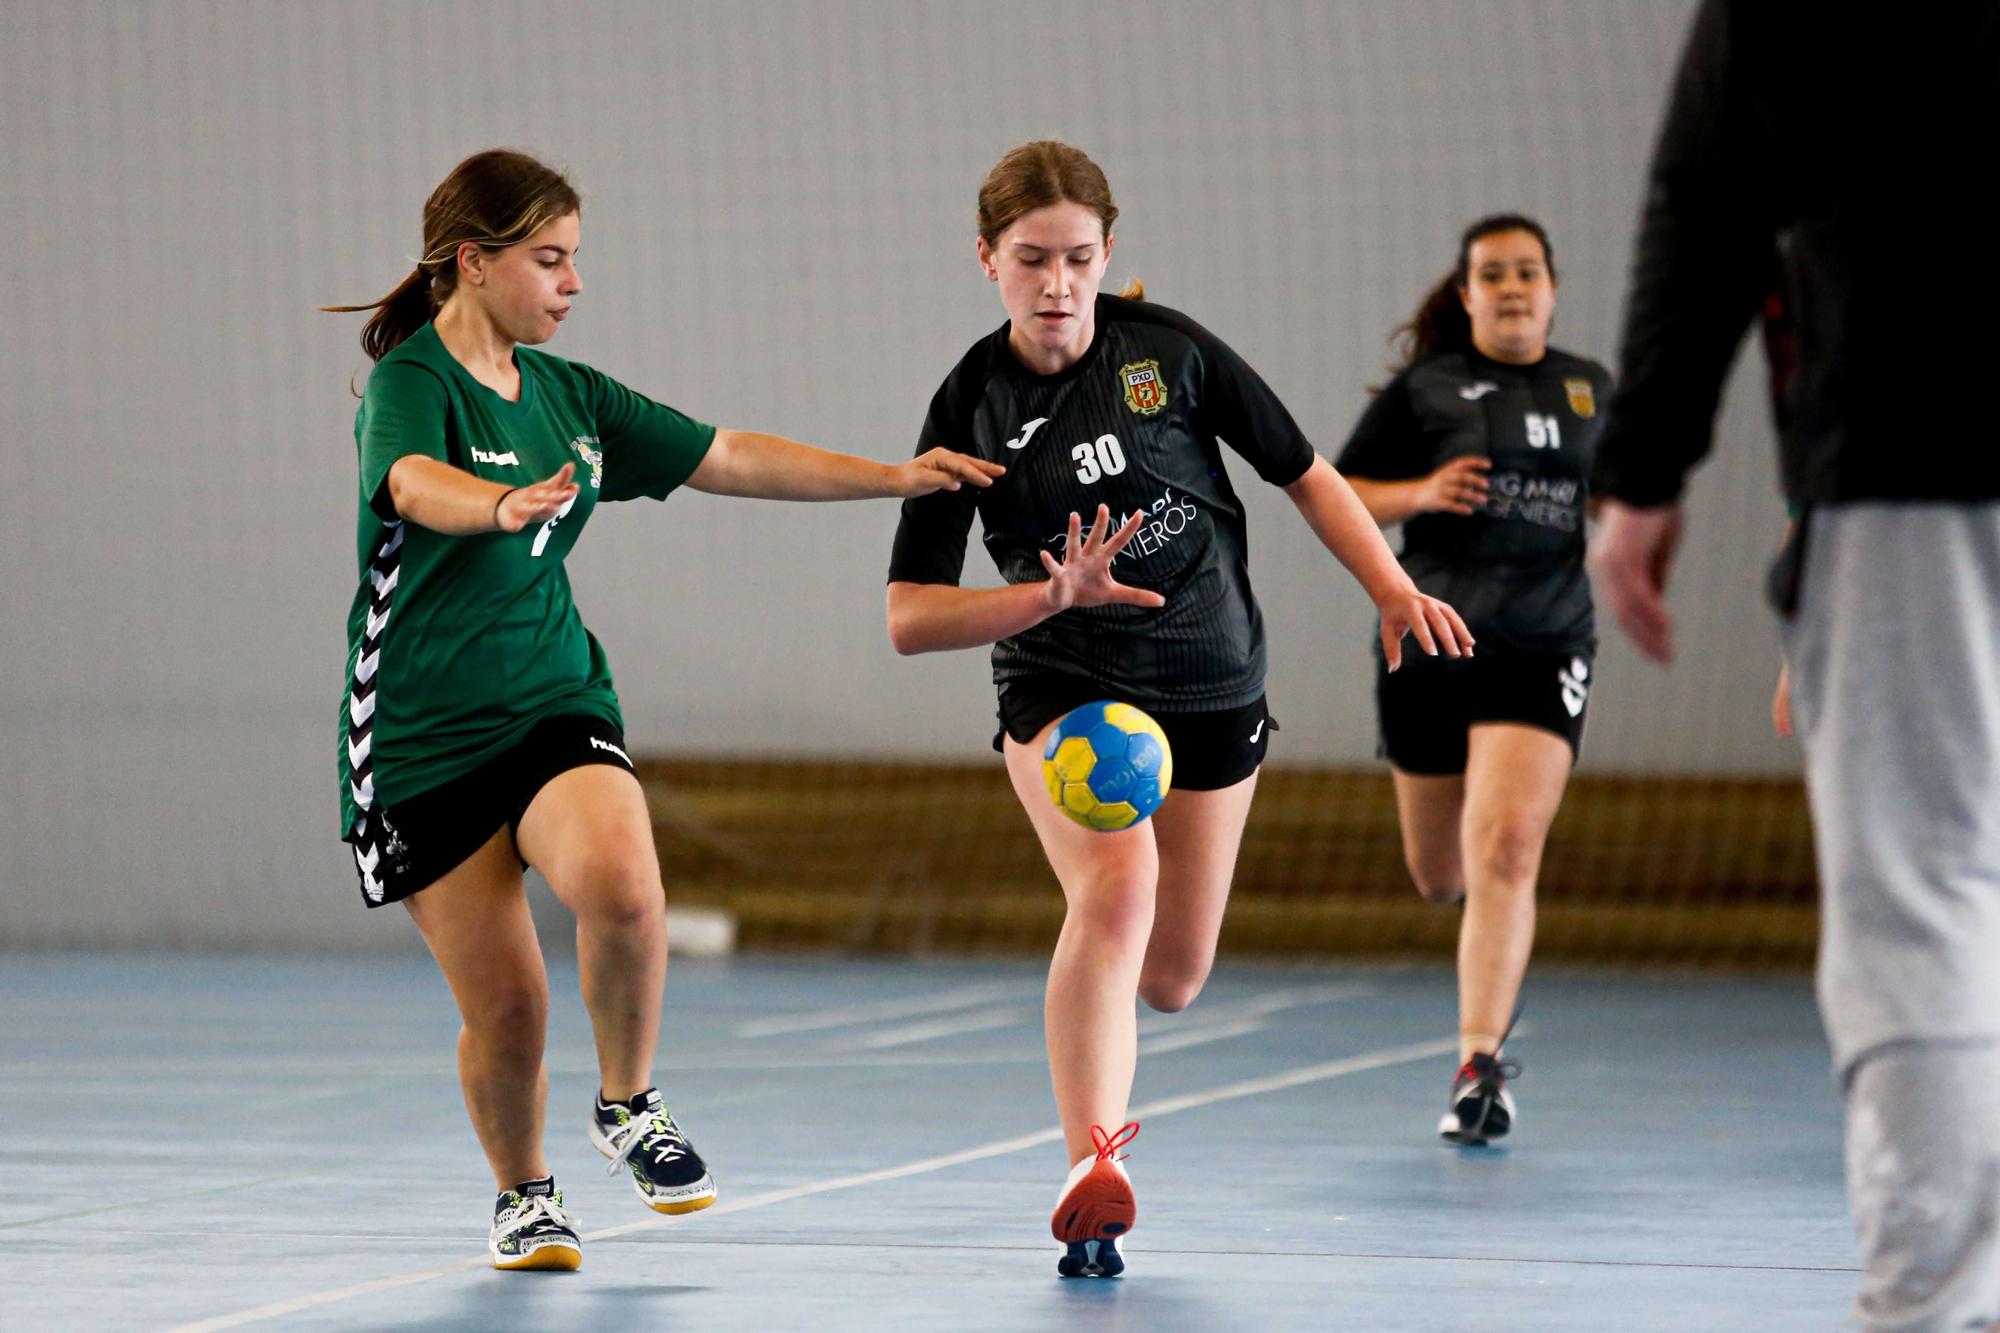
940 858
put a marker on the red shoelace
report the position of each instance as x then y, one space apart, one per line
1109 1144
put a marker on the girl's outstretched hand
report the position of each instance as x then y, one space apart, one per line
1432 623
942 470
525 506
1083 576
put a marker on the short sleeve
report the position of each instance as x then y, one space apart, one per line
930 537
403 412
1385 443
1246 414
649 448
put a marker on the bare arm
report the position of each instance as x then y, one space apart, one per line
1345 527
1387 502
1459 487
770 467
435 495
936 617
1337 515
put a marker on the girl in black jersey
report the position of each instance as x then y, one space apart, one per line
1480 447
1115 409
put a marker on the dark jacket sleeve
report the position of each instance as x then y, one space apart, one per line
1704 254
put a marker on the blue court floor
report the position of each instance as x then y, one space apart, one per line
213 1142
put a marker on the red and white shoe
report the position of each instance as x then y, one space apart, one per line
1095 1208
1481 1107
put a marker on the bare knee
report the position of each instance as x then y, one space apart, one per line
1169 992
1437 882
615 893
1508 854
1114 905
509 1016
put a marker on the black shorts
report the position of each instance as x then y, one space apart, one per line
1425 709
1211 750
416 842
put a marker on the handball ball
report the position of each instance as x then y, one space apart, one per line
1107 765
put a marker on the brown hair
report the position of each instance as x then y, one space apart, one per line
1041 173
496 198
1441 323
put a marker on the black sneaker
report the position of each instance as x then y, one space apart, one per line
531 1230
1481 1109
666 1170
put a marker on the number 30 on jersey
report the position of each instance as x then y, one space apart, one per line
1102 457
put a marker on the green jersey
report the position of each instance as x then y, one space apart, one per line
457 646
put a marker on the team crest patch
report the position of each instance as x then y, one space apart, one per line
1581 400
1145 391
595 457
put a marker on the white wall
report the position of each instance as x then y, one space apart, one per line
777 234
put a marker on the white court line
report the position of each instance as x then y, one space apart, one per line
943 1027
879 1010
1253 1087
1257 1006
1201 1036
424 1065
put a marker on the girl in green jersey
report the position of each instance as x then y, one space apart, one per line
480 732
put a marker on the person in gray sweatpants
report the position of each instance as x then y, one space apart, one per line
1889 589
1895 661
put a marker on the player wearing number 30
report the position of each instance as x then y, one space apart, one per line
1481 449
480 732
1121 540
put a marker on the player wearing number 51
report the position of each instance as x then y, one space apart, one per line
1481 447
480 732
1122 542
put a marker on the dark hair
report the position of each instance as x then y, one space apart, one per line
496 198
1441 322
1041 173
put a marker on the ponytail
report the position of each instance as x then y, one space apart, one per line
1133 290
1440 323
399 314
493 199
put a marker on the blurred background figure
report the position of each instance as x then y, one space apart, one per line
1890 583
1480 448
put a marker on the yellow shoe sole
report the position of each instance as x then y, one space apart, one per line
680 1206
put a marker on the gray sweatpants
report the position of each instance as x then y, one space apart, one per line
1895 658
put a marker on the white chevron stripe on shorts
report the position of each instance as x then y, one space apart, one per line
383 571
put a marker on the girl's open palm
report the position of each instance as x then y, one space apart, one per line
1083 576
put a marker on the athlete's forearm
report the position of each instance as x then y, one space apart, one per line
936 617
1387 502
770 467
1343 523
435 495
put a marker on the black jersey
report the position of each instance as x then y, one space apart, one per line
1135 424
1514 570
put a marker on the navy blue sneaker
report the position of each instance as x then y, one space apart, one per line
531 1230
639 1135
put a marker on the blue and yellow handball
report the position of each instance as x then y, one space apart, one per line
1107 765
